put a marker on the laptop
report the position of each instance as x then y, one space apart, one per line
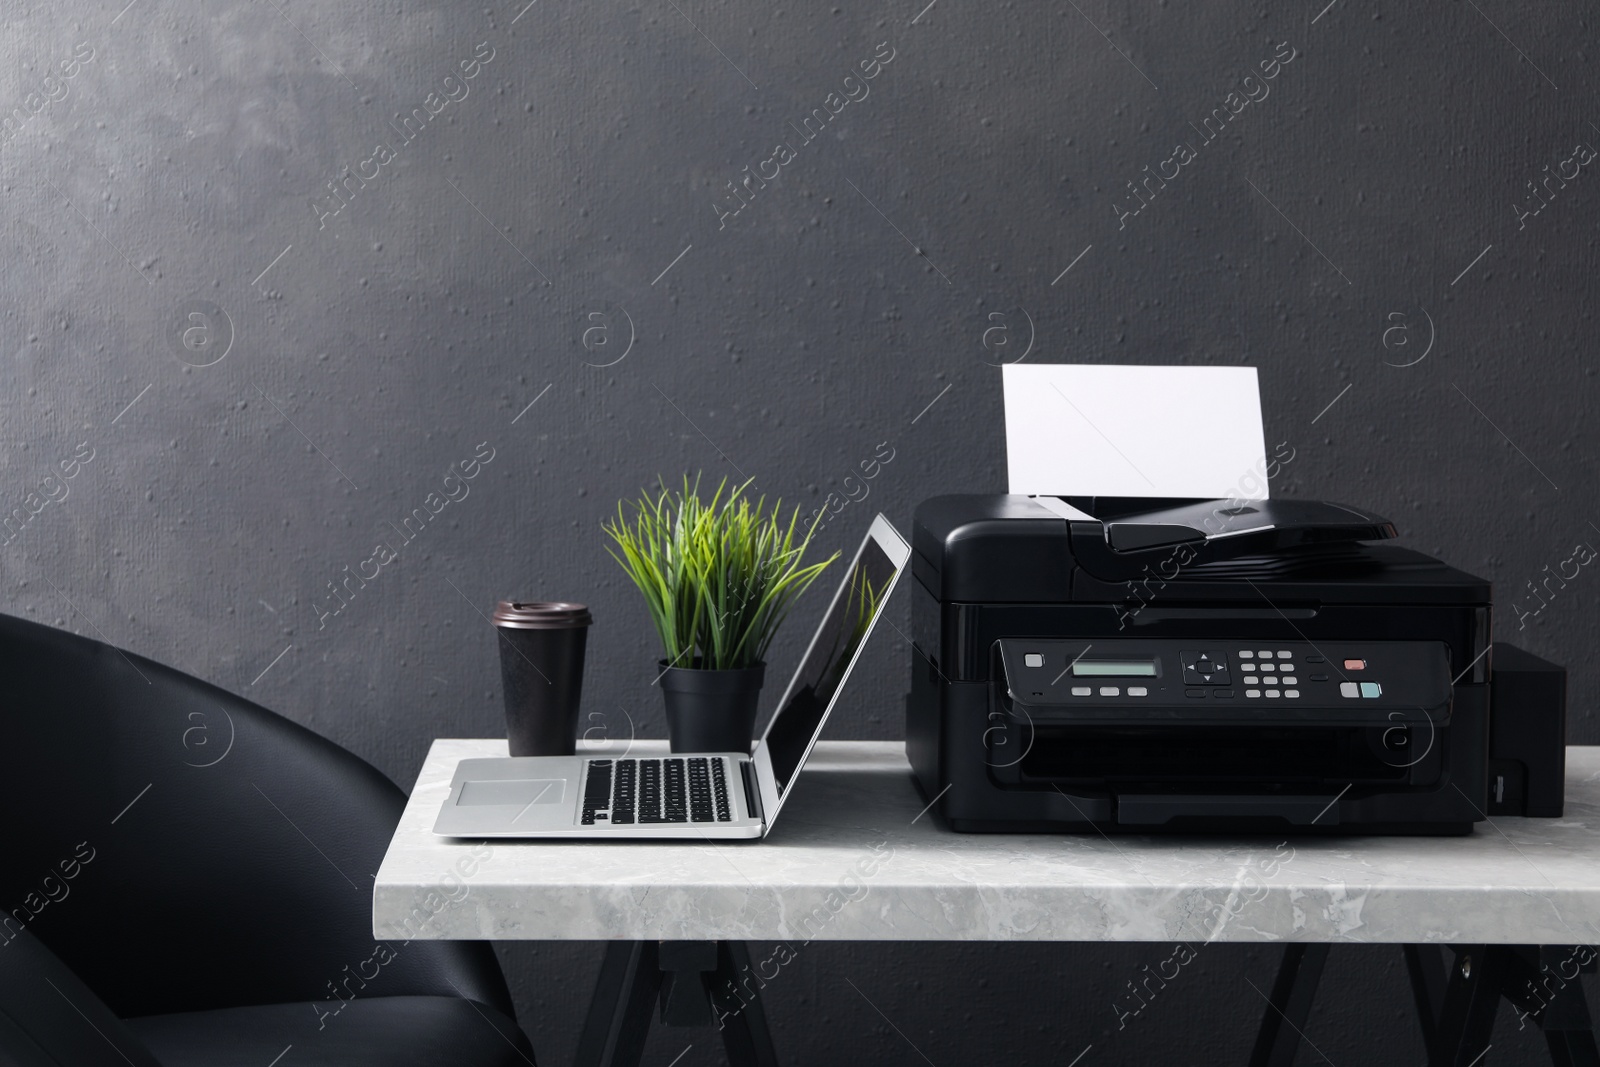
711 794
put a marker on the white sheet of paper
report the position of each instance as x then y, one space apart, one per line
1097 430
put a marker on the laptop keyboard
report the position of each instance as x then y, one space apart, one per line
668 790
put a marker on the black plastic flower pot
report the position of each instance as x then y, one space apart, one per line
711 711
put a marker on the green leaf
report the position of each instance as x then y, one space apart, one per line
718 577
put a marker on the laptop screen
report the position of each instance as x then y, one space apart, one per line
859 598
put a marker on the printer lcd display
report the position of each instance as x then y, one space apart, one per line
1142 668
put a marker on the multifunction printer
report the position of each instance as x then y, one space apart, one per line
1135 665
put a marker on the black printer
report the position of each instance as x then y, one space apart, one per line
1102 665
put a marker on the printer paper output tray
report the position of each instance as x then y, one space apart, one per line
1122 538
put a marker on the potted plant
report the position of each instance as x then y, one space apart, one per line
718 577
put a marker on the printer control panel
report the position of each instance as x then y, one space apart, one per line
1200 679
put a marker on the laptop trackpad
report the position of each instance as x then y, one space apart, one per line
519 791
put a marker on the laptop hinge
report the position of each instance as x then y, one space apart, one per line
752 792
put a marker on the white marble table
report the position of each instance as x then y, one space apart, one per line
851 860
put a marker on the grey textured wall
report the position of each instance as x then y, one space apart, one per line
254 379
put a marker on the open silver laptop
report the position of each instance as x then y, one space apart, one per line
713 794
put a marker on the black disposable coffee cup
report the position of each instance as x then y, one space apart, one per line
541 670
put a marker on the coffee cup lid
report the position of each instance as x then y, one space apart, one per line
541 615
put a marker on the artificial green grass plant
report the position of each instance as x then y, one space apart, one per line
718 577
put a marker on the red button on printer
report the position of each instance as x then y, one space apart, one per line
1355 664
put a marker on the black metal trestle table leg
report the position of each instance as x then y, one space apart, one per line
1456 1003
1283 1025
692 983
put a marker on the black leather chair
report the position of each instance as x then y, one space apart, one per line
186 881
